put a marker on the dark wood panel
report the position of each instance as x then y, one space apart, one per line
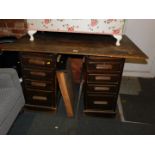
32 73
100 88
102 82
102 78
40 85
101 67
40 98
101 101
38 60
103 58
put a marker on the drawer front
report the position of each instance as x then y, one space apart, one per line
40 85
96 67
36 60
40 98
38 74
103 59
98 78
102 101
102 88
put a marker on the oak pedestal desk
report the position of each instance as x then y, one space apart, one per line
102 67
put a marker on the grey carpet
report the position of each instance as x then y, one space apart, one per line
137 108
40 123
130 86
22 123
140 108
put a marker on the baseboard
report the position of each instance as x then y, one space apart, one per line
143 74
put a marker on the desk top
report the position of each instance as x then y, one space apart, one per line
79 44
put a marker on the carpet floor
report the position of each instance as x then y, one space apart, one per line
40 123
137 107
140 107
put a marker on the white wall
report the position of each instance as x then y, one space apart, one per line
142 33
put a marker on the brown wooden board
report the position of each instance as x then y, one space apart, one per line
77 44
66 87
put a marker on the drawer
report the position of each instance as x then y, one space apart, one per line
103 59
102 88
101 101
98 78
40 85
38 60
40 98
99 67
38 74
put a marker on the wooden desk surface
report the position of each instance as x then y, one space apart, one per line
79 44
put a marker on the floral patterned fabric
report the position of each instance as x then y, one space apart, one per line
97 26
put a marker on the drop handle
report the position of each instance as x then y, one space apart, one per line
102 78
38 73
36 62
101 88
101 102
75 51
103 66
39 84
41 98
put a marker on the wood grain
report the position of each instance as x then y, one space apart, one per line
66 87
77 44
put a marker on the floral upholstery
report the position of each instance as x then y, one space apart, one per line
97 26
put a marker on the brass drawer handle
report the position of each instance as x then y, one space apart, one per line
101 102
102 78
36 62
38 73
101 88
103 66
41 98
39 84
75 51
